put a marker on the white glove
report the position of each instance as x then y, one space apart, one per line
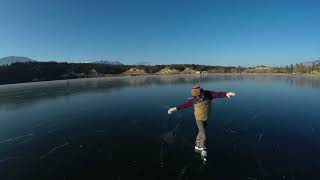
172 110
229 94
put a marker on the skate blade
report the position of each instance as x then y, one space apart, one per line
204 159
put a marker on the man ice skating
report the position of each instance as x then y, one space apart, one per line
201 100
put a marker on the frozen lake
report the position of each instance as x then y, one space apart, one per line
118 128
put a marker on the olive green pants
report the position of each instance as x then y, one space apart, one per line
201 137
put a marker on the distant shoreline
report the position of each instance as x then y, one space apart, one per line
48 71
112 76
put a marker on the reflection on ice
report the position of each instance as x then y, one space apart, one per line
15 94
182 174
170 136
161 155
260 137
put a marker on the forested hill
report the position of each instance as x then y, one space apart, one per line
44 71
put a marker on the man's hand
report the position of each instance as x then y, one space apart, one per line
172 110
229 94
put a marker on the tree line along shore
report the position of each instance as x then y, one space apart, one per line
45 71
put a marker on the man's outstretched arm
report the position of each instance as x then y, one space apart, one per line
221 94
185 105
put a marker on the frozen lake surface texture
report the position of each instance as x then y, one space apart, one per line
118 128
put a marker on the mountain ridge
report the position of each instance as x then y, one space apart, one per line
310 63
14 59
112 62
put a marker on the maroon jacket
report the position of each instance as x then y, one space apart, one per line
208 95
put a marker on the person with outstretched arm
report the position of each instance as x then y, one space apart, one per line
201 100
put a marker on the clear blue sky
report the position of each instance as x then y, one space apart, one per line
271 32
